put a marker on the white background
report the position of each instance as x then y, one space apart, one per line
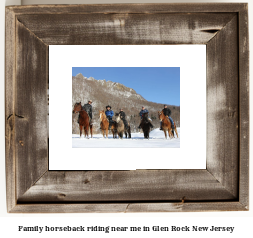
192 151
9 222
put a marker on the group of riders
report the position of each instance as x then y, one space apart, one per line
109 114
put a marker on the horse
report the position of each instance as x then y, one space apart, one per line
128 131
104 123
166 125
145 125
83 120
119 125
114 129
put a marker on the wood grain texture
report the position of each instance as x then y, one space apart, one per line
133 29
223 186
222 107
10 65
129 8
30 108
139 185
244 106
129 207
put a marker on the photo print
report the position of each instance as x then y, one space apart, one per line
126 107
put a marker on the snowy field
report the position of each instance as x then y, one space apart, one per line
156 140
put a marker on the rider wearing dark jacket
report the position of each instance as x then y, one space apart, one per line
88 108
123 117
167 112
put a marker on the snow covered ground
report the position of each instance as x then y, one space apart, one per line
156 140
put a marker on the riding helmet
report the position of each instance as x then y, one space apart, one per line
108 106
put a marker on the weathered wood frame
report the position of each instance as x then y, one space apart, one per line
223 186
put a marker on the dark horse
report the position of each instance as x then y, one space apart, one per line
145 125
83 120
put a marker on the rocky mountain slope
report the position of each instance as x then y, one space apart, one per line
103 93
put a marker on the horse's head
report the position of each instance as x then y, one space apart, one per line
160 115
101 114
77 107
145 117
117 117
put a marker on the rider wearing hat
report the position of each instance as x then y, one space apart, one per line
88 108
109 114
123 117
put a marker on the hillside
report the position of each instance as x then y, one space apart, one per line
103 93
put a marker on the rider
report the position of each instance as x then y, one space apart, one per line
109 114
88 108
123 117
144 110
167 113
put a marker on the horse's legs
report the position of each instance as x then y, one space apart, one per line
81 128
84 132
91 131
106 130
121 135
176 131
87 132
165 133
147 135
170 133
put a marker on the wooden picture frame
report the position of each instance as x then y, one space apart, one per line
222 186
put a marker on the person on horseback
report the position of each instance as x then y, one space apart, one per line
88 108
123 117
144 110
109 114
167 113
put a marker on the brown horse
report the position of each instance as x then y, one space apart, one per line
104 123
145 125
166 125
83 120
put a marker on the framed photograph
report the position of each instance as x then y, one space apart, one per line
128 88
62 55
